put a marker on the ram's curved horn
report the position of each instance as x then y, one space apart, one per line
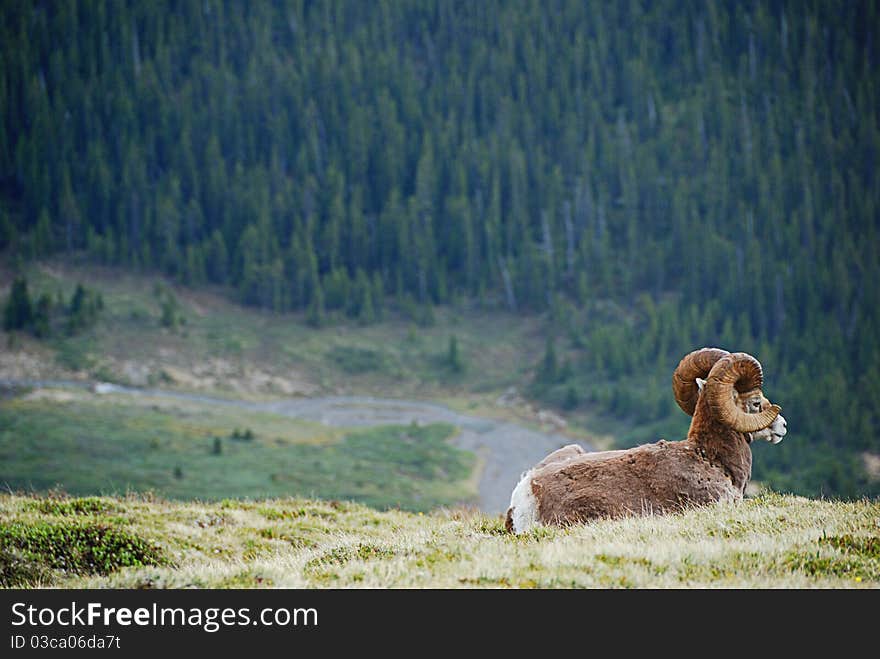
696 364
743 372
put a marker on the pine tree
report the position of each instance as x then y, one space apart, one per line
217 260
83 309
69 210
367 314
43 243
360 303
171 316
19 313
572 398
378 294
7 230
316 316
548 371
453 358
43 316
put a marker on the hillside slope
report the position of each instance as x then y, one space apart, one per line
769 541
217 347
657 176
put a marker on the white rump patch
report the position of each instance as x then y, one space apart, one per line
524 505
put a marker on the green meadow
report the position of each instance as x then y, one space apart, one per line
83 444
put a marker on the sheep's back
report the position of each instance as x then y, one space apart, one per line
654 478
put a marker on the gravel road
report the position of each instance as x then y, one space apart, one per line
506 449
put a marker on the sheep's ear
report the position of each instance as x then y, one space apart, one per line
700 384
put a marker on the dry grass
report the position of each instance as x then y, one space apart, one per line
771 541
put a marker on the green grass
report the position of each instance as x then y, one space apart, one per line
239 352
74 547
87 445
354 360
234 351
772 541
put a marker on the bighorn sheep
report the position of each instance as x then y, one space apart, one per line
722 391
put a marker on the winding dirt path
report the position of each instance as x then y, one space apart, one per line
506 449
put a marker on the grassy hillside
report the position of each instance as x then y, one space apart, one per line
216 345
654 177
769 541
186 450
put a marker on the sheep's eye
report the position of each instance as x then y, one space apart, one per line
756 405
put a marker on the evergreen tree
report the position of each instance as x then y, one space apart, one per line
217 259
43 243
43 316
367 314
453 358
171 317
316 316
572 398
548 371
83 309
7 230
18 313
378 295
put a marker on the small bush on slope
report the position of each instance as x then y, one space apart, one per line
71 546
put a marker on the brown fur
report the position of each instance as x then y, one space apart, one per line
713 464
